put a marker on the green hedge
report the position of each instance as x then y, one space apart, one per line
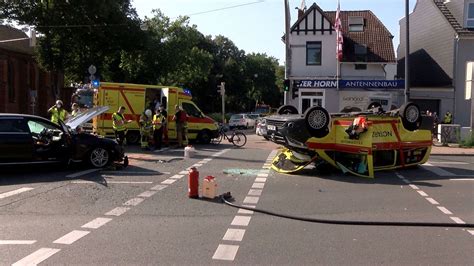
469 142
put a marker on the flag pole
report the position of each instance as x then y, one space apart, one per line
338 29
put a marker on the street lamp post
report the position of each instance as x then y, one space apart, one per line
407 50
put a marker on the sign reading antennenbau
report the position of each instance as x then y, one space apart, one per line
351 84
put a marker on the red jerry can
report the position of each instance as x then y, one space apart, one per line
193 183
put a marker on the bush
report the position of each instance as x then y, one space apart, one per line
218 117
469 142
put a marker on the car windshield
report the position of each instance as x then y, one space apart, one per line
235 117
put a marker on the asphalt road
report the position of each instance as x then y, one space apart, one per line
142 215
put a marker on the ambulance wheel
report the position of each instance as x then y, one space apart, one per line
411 116
287 110
204 136
373 105
317 121
133 137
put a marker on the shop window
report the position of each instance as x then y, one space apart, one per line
313 53
470 15
356 24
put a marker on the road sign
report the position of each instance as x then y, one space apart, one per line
91 77
92 69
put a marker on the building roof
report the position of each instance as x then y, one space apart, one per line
460 30
22 46
375 36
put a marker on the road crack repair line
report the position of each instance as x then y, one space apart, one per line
43 254
444 210
242 218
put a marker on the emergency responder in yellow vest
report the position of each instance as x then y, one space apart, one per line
58 113
146 128
119 124
158 121
448 118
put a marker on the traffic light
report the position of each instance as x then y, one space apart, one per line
286 85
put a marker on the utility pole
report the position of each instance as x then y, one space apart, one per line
287 47
221 89
407 50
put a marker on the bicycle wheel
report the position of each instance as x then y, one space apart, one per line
239 139
218 139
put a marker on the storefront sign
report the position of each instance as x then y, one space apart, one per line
351 84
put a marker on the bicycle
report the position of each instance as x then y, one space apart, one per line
237 138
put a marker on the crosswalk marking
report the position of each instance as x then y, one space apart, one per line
15 192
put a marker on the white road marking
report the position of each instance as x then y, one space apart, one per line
265 171
436 170
258 185
208 159
168 181
112 182
37 257
462 179
184 172
17 242
71 237
460 163
406 180
202 162
261 179
262 175
471 232
196 165
133 202
135 172
251 200
413 186
15 192
147 194
225 252
177 176
432 201
85 172
422 193
444 210
234 234
241 220
96 223
243 211
159 187
255 192
118 211
457 220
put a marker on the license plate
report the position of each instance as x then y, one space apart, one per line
271 127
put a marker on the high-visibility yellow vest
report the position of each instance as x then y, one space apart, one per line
145 122
157 121
57 115
116 118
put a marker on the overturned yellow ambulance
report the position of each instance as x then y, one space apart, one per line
359 143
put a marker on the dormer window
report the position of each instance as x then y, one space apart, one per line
470 15
356 24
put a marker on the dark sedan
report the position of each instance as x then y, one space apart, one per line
28 139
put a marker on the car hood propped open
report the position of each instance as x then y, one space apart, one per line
85 116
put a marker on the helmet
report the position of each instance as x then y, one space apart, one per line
148 112
59 102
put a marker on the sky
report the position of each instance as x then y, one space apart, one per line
258 25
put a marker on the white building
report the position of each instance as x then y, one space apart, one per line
367 70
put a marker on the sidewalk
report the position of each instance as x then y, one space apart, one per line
451 150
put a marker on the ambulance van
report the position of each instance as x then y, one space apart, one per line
137 98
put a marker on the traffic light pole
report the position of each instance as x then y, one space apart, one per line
222 91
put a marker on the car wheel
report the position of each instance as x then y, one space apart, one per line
317 121
133 137
411 116
287 110
99 157
204 137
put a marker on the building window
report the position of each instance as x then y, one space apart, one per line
356 24
470 16
360 52
11 81
360 66
313 53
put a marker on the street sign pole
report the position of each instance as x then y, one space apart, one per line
223 101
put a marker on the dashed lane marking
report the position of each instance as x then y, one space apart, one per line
251 200
457 220
148 193
71 237
413 186
183 172
168 181
241 220
261 179
436 170
258 185
197 165
471 232
225 252
176 176
111 182
118 211
432 201
255 192
444 210
85 172
159 187
15 192
262 175
134 172
17 242
134 202
234 234
422 193
96 223
37 257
